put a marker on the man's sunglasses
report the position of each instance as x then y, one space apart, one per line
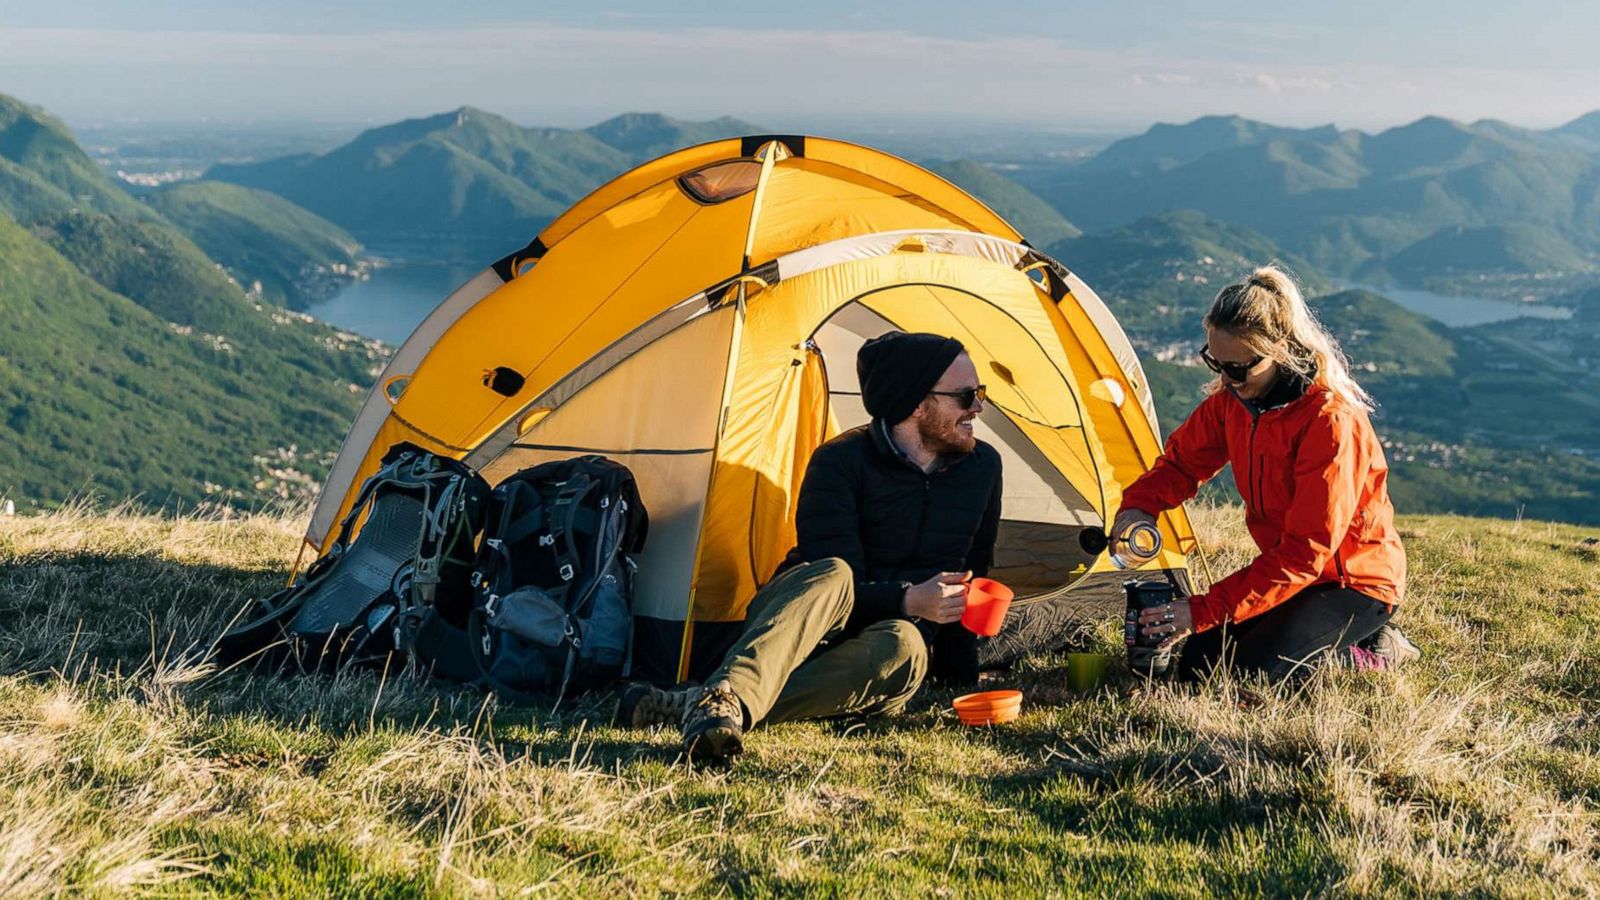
1235 371
965 397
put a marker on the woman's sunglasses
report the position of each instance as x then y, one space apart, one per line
967 397
1235 371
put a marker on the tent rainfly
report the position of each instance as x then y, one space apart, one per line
697 319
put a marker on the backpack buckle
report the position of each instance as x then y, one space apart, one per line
547 540
491 607
566 571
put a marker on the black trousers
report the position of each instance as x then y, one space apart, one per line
1286 640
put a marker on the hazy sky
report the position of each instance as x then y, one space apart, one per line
1101 64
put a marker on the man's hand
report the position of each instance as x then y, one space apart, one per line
941 598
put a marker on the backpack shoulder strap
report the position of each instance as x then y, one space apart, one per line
494 538
564 511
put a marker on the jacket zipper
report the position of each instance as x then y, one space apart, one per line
1255 488
1253 477
922 515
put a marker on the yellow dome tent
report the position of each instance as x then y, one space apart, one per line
697 319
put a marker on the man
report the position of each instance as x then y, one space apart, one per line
893 518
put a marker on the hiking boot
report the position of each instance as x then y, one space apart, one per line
1392 647
713 729
647 706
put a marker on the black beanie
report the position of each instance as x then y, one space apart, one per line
897 370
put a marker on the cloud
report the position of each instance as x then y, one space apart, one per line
1162 79
543 71
1278 84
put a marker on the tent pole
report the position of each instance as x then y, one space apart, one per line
768 159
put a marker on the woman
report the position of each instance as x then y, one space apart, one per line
1286 413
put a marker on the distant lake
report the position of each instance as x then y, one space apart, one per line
1460 312
395 300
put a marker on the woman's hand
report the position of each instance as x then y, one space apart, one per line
1126 519
1170 622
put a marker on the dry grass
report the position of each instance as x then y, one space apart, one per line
128 764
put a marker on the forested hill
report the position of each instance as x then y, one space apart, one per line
131 365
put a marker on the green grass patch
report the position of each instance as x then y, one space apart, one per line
129 764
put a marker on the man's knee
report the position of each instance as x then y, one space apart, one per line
829 583
825 587
832 570
900 661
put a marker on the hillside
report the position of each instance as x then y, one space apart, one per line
1037 221
648 135
1495 420
131 764
149 263
43 170
295 256
1165 146
1585 127
1350 201
1459 251
1160 274
131 366
102 395
49 183
464 180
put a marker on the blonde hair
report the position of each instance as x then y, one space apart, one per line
1267 313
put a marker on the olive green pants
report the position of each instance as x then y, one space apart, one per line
780 673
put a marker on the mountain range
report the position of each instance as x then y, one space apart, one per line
129 307
1433 200
1483 207
465 181
471 184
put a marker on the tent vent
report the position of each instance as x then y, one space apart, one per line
503 381
721 182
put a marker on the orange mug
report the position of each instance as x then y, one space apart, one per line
987 602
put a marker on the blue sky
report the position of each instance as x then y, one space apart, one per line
1114 65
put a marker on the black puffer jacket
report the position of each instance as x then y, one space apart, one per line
863 501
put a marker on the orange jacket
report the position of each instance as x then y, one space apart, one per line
1314 483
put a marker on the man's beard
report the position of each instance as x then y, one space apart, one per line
946 438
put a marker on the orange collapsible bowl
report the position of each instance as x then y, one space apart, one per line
987 602
988 707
